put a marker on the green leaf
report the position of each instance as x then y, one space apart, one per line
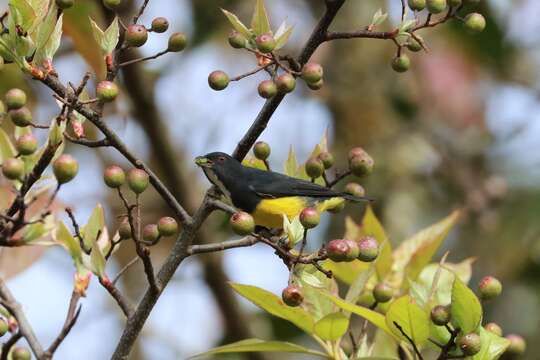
94 226
260 23
372 316
56 132
291 165
493 346
282 35
107 40
33 232
378 18
97 259
311 280
275 306
64 237
332 326
237 24
372 227
257 345
293 229
466 309
346 272
359 284
316 305
48 39
22 14
7 150
407 25
412 319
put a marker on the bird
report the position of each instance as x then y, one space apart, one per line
267 195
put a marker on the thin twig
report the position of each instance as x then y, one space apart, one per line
77 231
141 11
125 268
122 302
134 61
409 339
252 72
71 318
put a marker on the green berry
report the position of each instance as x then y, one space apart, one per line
489 288
242 223
64 4
417 5
342 250
15 99
327 159
517 345
475 22
316 85
455 3
13 168
265 43
361 165
177 42
261 150
494 328
65 168
138 180
20 353
337 209
401 63
470 344
355 189
136 35
4 327
309 218
369 249
114 176
314 168
267 89
26 144
354 250
112 4
436 6
383 293
124 230
150 233
312 73
285 83
167 226
106 91
414 45
160 25
237 40
21 117
440 315
292 296
218 80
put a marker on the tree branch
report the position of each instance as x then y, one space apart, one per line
225 245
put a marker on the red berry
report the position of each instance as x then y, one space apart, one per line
136 35
292 295
309 218
242 223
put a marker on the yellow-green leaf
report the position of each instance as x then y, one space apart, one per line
346 272
97 259
332 326
275 306
7 150
493 346
237 24
93 227
291 165
282 35
466 309
413 320
372 227
64 237
260 23
107 39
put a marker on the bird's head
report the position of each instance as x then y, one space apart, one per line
219 164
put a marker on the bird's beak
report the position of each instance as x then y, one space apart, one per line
203 162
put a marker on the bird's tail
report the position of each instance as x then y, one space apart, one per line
353 198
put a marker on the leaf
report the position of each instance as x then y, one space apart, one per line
493 346
93 227
346 272
282 35
237 24
260 23
56 132
48 39
293 229
316 305
372 227
291 165
22 13
275 306
107 39
378 18
412 319
332 326
359 284
7 150
372 316
311 280
466 309
407 25
257 345
64 237
97 259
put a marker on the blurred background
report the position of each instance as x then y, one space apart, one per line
461 129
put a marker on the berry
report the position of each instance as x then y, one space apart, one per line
470 344
475 22
111 4
160 25
65 168
13 168
20 353
167 226
136 35
414 45
517 345
114 176
316 85
15 99
494 328
361 164
292 296
455 3
327 159
440 315
177 42
237 40
309 218
218 80
138 180
106 91
401 63
336 209
285 83
417 5
26 144
242 223
314 168
124 230
312 73
64 4
489 288
369 249
261 150
150 233
3 327
340 250
21 117
355 189
436 6
267 89
383 293
356 151
265 43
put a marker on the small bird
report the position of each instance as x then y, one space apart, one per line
267 195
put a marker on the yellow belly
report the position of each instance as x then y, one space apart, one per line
269 212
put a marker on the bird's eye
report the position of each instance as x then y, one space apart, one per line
221 159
